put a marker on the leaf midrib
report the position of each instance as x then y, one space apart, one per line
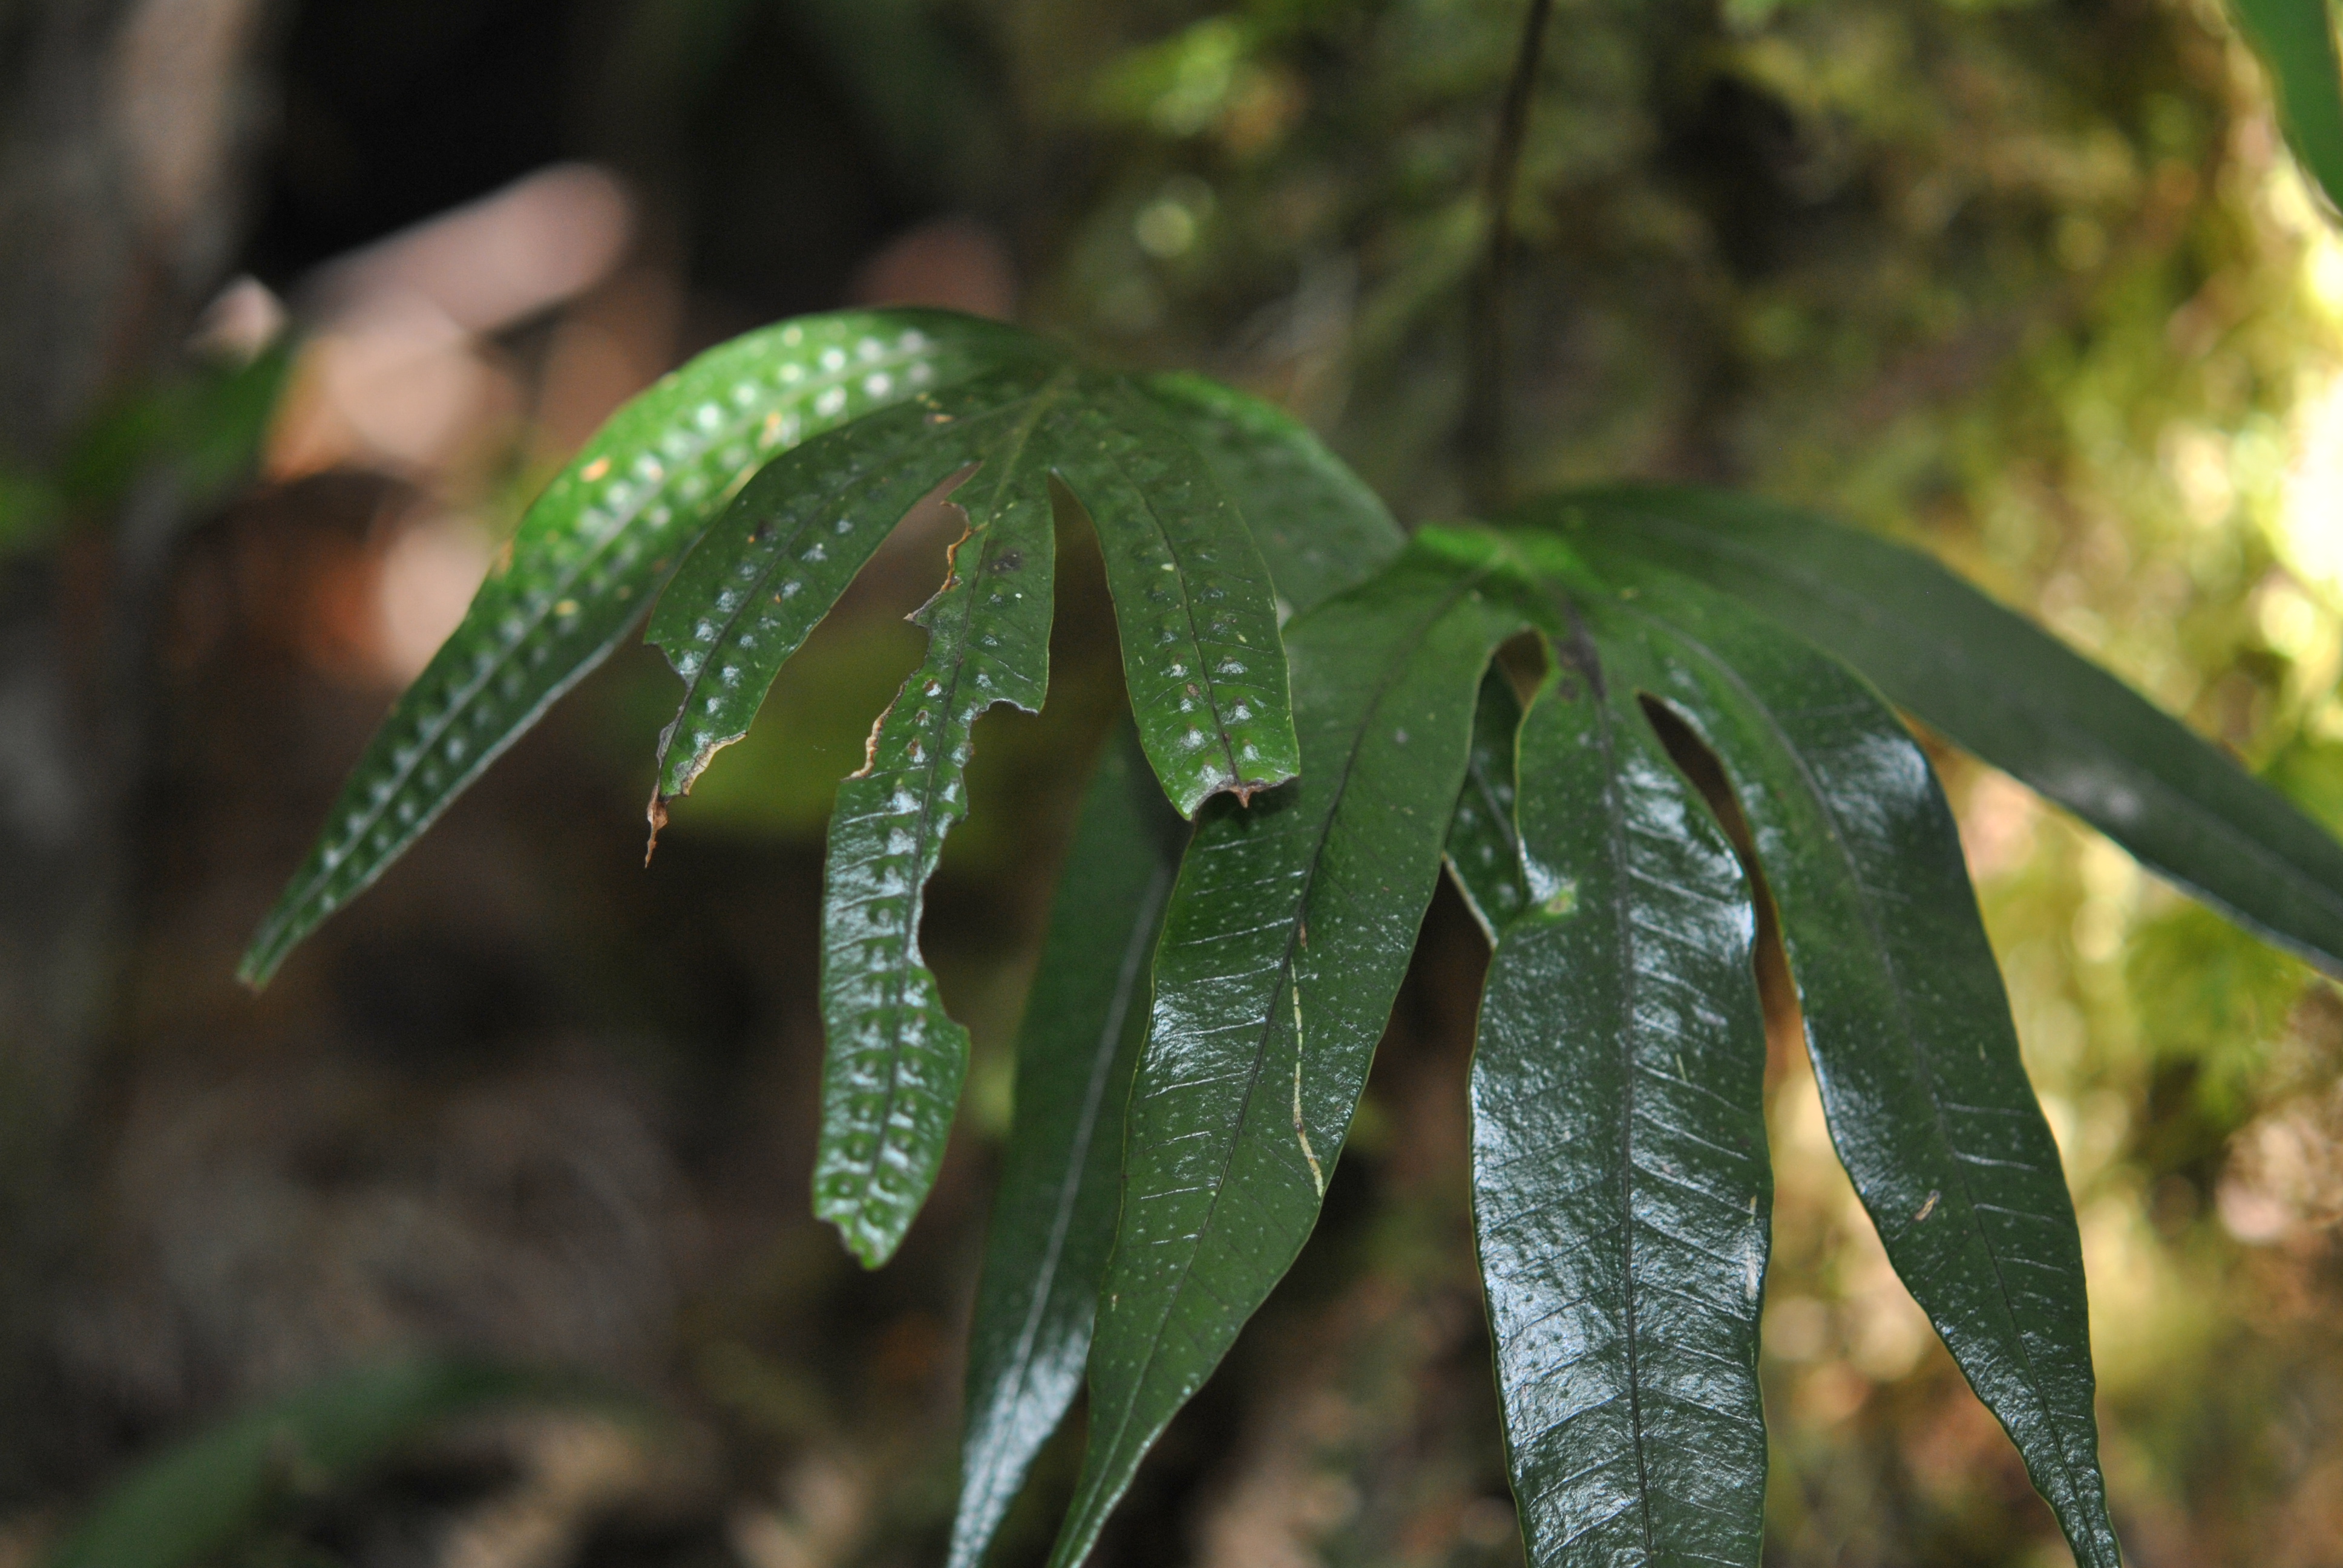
1134 963
1905 1031
1588 664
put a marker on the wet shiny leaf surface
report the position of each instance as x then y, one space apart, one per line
1060 1181
1620 1183
1287 935
1913 1046
1484 852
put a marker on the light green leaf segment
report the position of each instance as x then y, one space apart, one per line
1621 1191
591 554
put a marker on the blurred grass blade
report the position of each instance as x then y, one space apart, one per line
1484 852
1316 524
757 582
2295 41
199 1498
1621 1191
1284 944
591 554
2000 687
1060 1181
891 1079
1193 604
1906 1019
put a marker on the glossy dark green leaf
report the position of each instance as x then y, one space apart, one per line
1621 1191
1317 525
591 554
1286 940
1910 1032
2295 40
1484 852
1193 602
198 1498
1060 1181
891 1079
766 572
2000 687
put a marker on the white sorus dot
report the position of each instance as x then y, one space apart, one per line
712 703
1251 752
747 640
676 444
933 688
1168 566
1179 670
709 416
1193 739
814 552
649 470
694 486
728 601
983 679
898 842
1241 711
745 570
871 348
793 336
831 402
912 342
687 664
791 372
843 526
833 359
789 589
904 801
745 393
731 675
659 516
921 372
705 631
619 497
878 384
1187 706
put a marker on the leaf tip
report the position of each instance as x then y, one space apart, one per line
656 813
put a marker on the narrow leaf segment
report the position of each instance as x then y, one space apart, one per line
892 1077
1284 944
2000 687
589 559
1620 1181
1906 1019
1053 1217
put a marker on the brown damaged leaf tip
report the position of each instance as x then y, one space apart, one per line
657 815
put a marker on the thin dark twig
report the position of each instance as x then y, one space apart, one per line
1481 433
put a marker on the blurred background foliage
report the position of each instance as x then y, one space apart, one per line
2029 283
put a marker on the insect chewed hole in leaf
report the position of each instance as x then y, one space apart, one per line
1785 1026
